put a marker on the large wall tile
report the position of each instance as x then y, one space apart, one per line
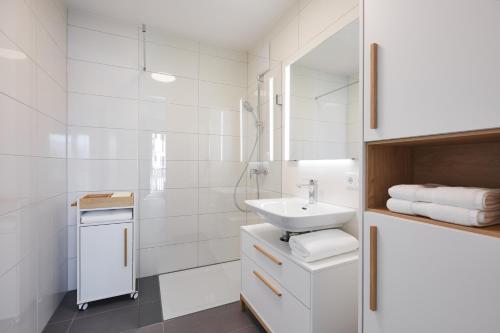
18 23
16 124
166 146
218 250
49 137
220 70
102 143
102 175
89 45
181 91
18 73
220 225
171 60
168 231
220 96
17 182
170 202
101 111
219 173
51 98
219 199
222 52
168 174
219 122
104 80
169 258
221 148
159 116
50 57
103 24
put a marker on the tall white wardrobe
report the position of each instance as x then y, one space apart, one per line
431 115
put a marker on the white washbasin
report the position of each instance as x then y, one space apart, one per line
297 215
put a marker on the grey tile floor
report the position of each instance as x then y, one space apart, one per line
121 314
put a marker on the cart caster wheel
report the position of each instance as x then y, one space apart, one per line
83 307
134 295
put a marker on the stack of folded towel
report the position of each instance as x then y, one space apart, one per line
322 244
469 206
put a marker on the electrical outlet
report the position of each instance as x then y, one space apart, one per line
352 180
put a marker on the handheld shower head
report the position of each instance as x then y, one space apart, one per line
247 106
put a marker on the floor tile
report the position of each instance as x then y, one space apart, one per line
224 319
66 309
108 322
150 313
155 328
149 289
106 305
61 327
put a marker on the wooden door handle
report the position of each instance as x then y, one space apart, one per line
373 84
268 255
125 247
268 284
373 268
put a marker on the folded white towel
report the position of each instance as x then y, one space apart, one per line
456 215
322 244
408 192
107 215
400 206
464 197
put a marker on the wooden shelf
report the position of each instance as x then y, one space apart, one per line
456 159
493 231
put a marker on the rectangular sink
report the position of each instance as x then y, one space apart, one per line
297 215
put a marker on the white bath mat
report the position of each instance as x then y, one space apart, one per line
199 289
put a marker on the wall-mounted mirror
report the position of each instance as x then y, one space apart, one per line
323 111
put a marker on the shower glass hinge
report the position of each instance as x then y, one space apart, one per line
278 99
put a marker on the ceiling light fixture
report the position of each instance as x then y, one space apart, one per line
162 77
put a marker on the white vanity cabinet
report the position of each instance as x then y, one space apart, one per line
290 296
438 66
429 278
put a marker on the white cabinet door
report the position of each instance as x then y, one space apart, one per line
105 261
438 65
431 279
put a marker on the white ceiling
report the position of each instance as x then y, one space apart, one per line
338 55
236 24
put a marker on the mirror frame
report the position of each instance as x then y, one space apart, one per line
341 23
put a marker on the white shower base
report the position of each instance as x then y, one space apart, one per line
197 289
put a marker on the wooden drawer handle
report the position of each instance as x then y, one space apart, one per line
373 268
373 84
125 247
267 283
268 255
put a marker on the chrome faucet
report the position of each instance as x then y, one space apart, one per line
312 185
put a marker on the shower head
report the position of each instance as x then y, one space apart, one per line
247 106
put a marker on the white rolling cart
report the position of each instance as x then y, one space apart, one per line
105 247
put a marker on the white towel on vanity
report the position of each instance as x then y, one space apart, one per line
322 244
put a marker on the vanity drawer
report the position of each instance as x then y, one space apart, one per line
293 277
277 307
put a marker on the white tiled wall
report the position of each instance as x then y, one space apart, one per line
176 145
298 28
33 116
